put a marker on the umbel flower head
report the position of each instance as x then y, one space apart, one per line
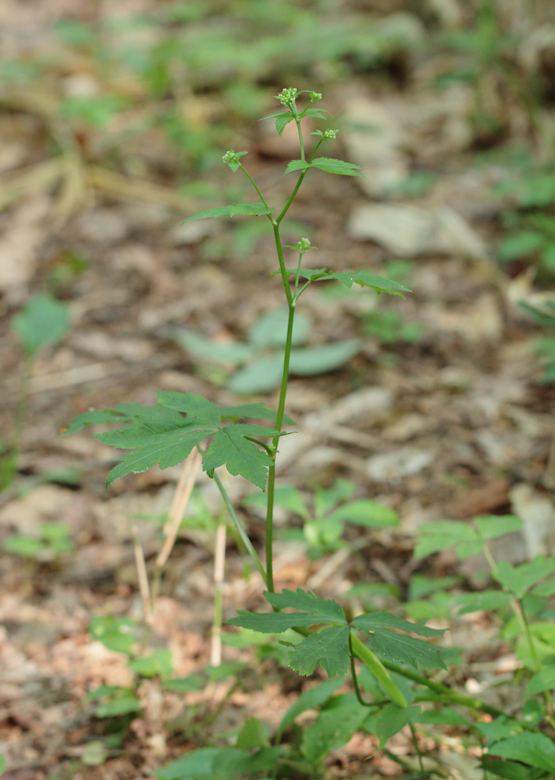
287 96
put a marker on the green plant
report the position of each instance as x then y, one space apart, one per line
43 321
323 527
385 655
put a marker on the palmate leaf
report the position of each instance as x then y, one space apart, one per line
519 579
249 209
315 612
239 454
400 647
328 649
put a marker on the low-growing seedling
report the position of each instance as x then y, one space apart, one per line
387 658
324 524
43 321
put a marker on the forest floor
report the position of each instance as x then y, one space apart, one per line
446 420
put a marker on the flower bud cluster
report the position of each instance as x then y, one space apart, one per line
230 157
287 96
329 133
303 245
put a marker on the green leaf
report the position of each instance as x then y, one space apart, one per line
44 320
308 700
159 662
261 376
542 681
328 610
26 546
2 764
95 418
114 708
319 360
114 633
167 450
444 717
492 526
331 165
250 209
270 330
253 734
94 753
329 649
194 682
391 720
326 500
240 455
485 600
332 729
520 244
536 750
400 647
508 770
539 316
519 579
256 411
318 612
368 514
297 165
284 496
198 762
195 406
348 278
221 353
442 535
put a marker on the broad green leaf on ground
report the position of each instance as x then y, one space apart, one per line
508 770
254 734
439 536
222 353
270 329
332 729
159 662
260 376
249 209
536 750
385 641
194 682
328 649
391 720
197 763
485 600
122 705
366 513
219 764
443 717
542 681
326 500
310 361
308 700
492 526
519 579
316 612
285 496
44 320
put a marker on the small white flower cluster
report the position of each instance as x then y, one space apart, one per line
230 157
287 96
330 133
303 245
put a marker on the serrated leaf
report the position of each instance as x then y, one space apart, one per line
536 750
329 649
297 165
400 647
95 418
308 701
274 622
44 320
519 579
492 526
332 729
391 720
248 209
366 513
257 411
282 122
328 610
486 600
348 278
542 681
330 165
240 456
195 406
